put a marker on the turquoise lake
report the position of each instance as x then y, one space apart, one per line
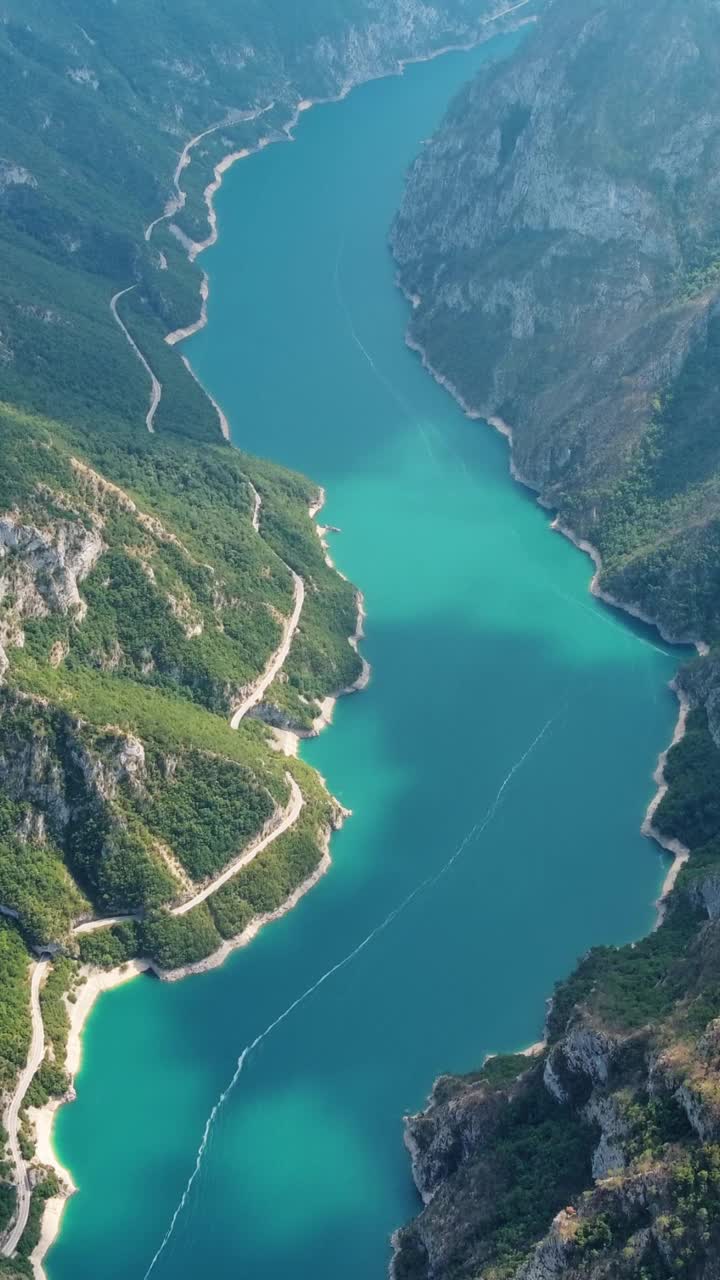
482 637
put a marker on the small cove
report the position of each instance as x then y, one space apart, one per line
481 634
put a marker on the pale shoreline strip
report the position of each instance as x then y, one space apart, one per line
286 134
224 424
678 851
179 335
327 706
177 201
286 131
99 982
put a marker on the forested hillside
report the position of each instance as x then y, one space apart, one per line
152 577
561 233
559 236
97 101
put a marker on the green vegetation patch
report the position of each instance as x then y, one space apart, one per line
625 988
536 1161
536 1135
35 882
321 662
15 1032
173 941
157 716
43 1191
261 887
15 1028
51 1080
206 808
695 1197
266 884
116 862
654 1123
109 948
690 809
504 1069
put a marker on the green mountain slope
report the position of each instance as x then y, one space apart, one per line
97 102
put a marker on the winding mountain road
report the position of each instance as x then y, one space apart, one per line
277 661
177 200
90 926
287 820
155 386
11 1118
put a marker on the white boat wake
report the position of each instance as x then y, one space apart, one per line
382 378
603 617
429 882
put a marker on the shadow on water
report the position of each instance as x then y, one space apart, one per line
308 1147
481 632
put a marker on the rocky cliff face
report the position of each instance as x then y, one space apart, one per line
601 1160
559 239
40 573
560 232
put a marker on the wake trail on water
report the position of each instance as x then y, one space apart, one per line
400 400
600 616
429 882
598 611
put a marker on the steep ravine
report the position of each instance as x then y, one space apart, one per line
455 563
364 46
557 238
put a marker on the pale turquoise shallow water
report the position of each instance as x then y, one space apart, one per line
480 631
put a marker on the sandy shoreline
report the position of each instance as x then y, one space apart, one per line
96 983
327 706
178 335
43 1118
287 739
176 202
224 424
534 1050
